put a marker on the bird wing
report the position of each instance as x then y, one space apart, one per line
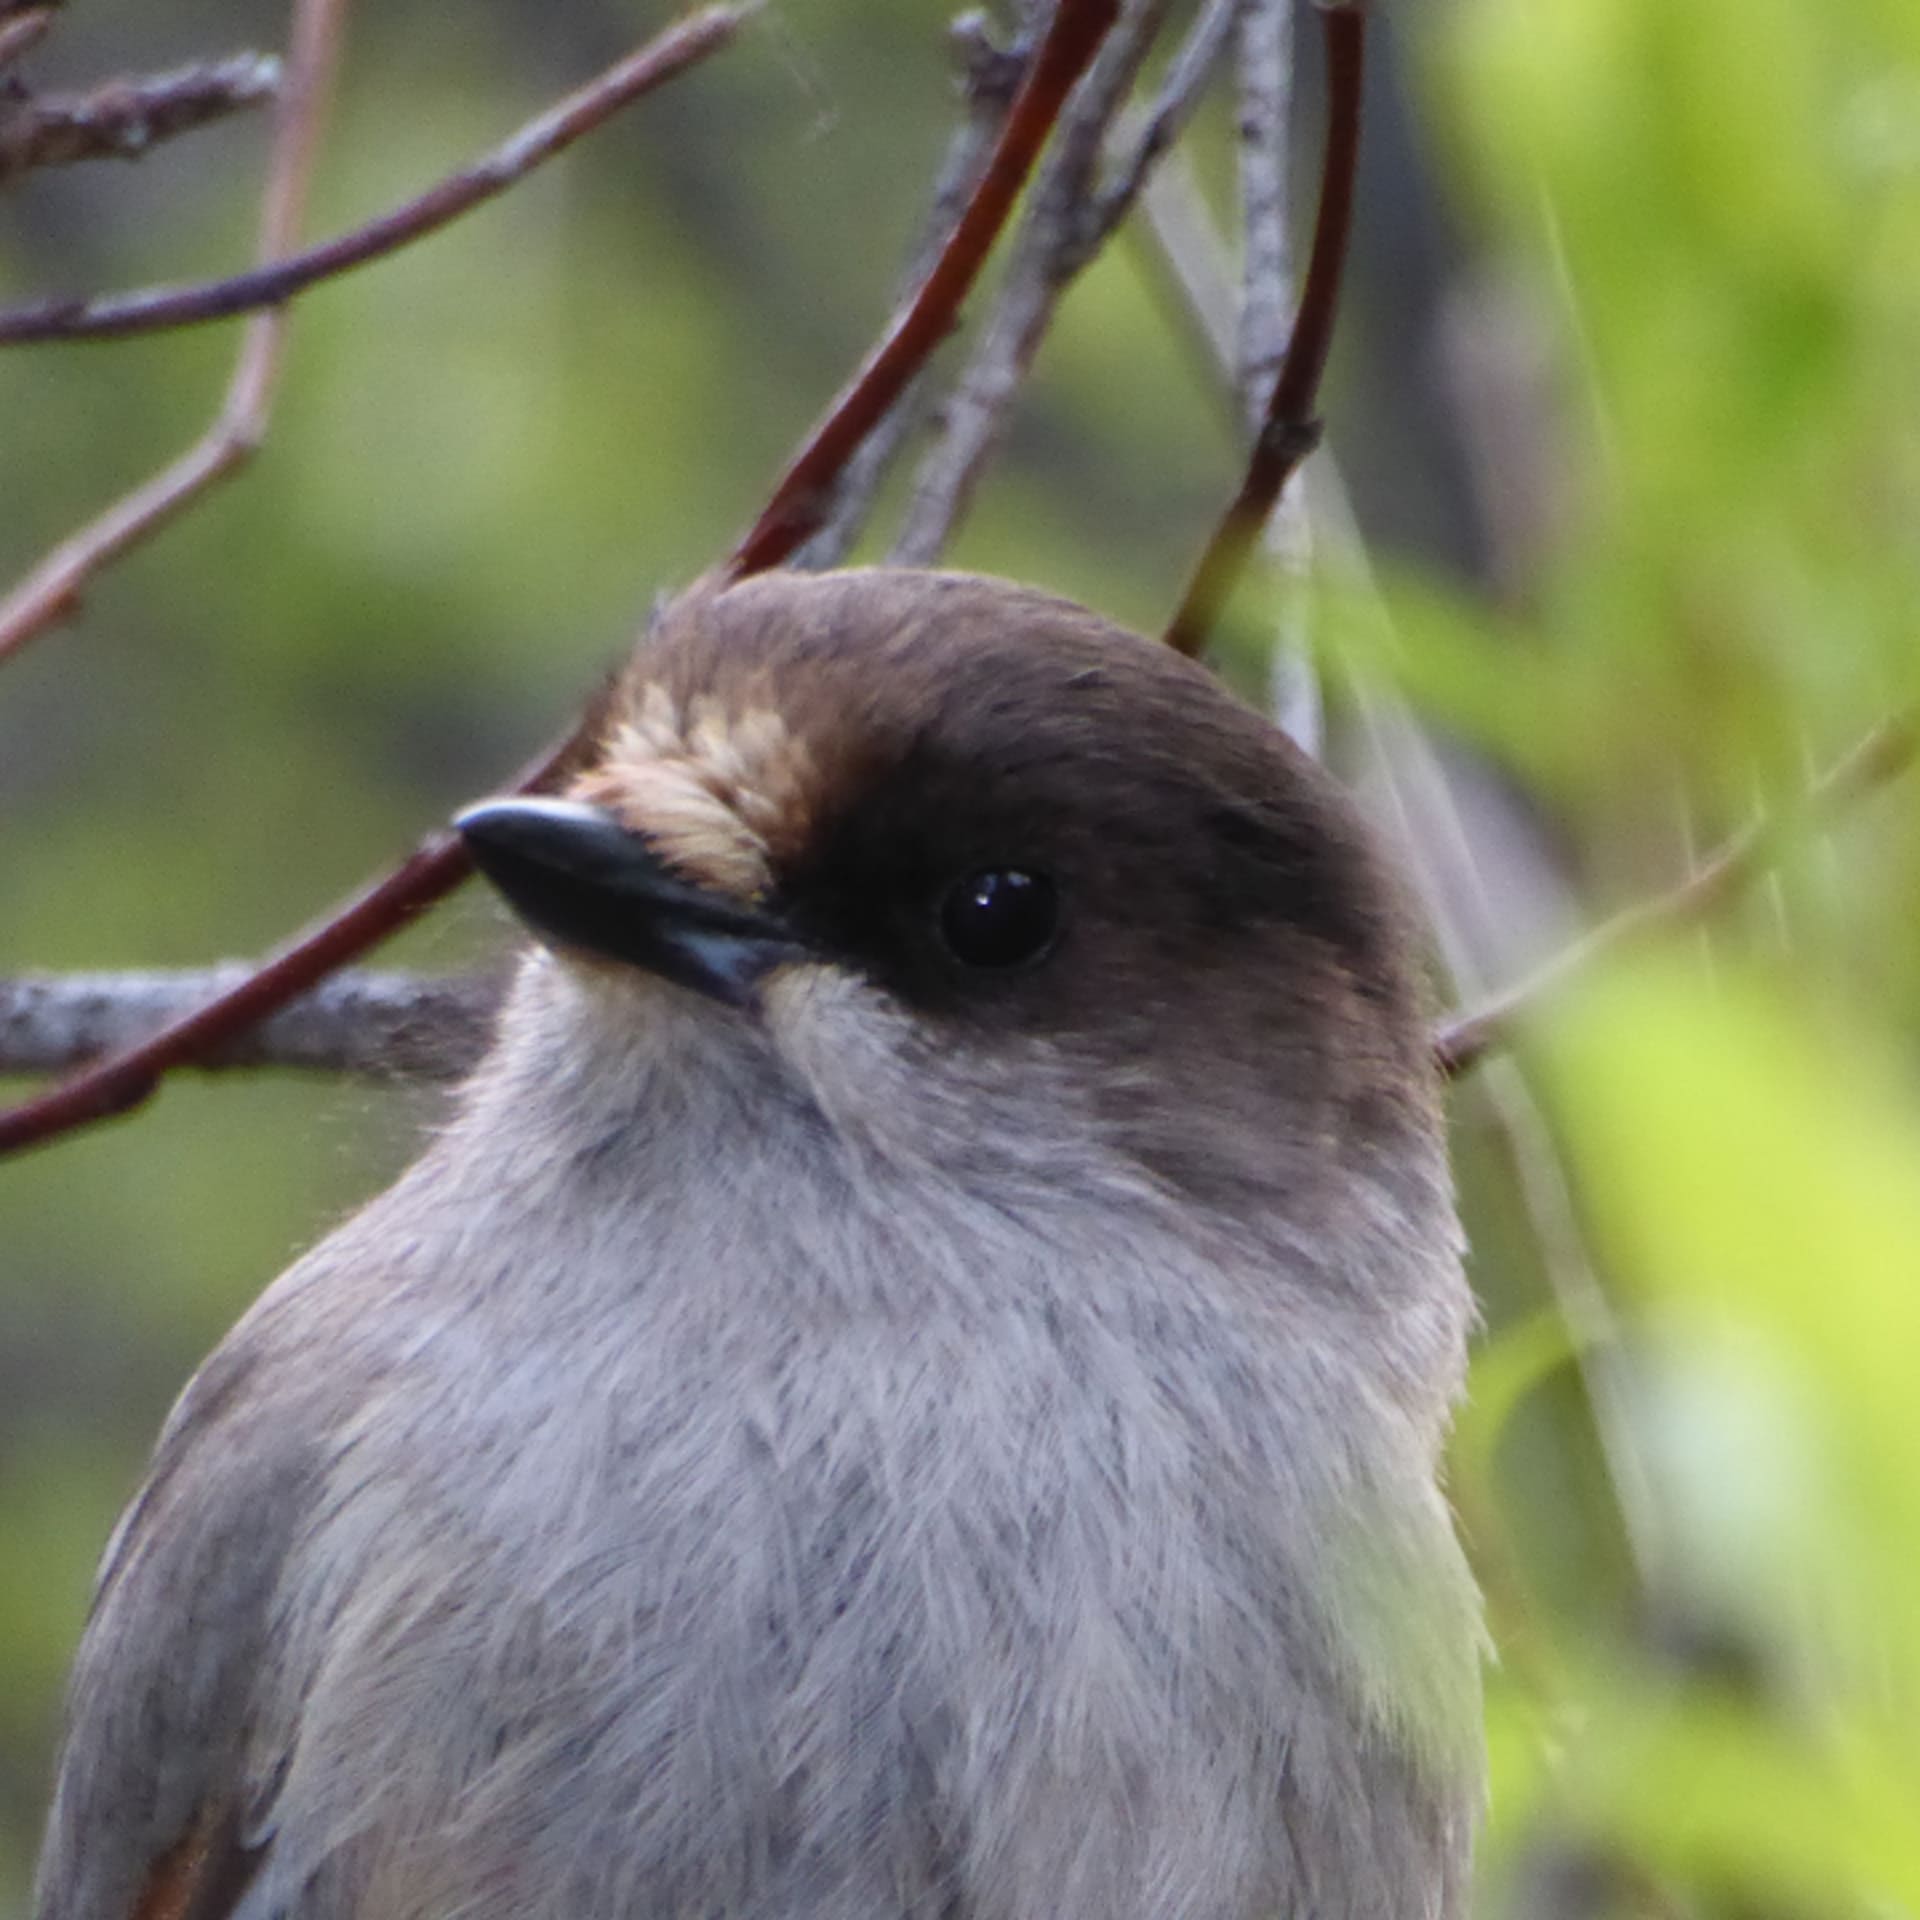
202 1875
154 1811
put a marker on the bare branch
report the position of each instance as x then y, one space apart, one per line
1289 431
1151 138
1882 756
991 78
21 31
1053 244
124 118
1244 341
801 500
388 1026
124 1080
51 592
114 315
1265 71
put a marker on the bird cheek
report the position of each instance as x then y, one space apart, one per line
840 1037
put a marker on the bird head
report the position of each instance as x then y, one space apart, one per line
992 886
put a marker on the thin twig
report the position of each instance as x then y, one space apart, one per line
123 119
1188 76
1882 756
1460 897
802 498
384 1026
1290 432
22 31
154 309
51 592
1054 243
991 77
1242 342
1264 68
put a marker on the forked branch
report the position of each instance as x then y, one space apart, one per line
51 592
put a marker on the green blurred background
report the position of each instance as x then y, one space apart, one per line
1627 420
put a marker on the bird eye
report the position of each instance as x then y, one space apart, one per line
1000 918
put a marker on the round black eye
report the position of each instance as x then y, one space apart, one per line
1000 918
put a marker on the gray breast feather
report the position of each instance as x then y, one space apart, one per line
470 1607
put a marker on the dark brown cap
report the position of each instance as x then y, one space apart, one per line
857 752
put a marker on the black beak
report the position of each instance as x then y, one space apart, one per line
581 879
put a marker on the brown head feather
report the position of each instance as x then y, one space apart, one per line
849 745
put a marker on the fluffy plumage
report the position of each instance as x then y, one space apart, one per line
922 1444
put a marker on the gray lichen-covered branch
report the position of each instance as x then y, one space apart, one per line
389 1026
123 119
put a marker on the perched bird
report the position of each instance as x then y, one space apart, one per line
911 1382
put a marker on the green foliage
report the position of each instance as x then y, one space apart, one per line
1712 214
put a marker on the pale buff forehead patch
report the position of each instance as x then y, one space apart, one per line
717 793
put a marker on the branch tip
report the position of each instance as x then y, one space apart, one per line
1462 1041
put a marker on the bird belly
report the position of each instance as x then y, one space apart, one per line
931 1627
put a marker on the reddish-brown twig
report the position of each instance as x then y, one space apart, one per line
1884 754
122 1081
802 498
1290 432
157 308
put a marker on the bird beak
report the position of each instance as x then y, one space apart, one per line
579 878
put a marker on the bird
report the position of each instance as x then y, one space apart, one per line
910 1383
